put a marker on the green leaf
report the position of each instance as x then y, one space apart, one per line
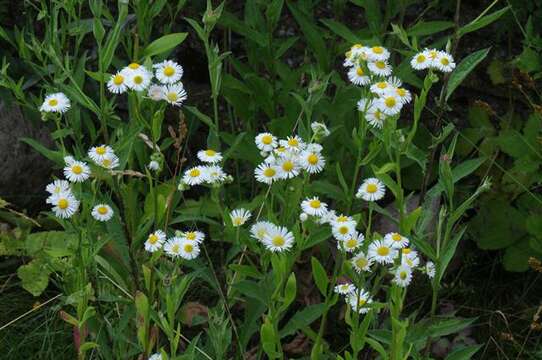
483 21
446 326
463 353
267 334
319 275
55 156
424 28
516 257
34 276
201 116
341 30
464 69
302 318
164 44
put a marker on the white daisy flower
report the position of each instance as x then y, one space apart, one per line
357 76
98 153
343 231
382 252
57 103
411 260
378 53
280 152
189 249
303 217
314 147
444 62
420 61
76 171
288 167
174 94
358 301
320 129
361 262
260 229
137 79
172 247
102 212
266 173
239 217
292 143
352 242
313 206
278 239
430 269
371 189
109 162
402 276
312 162
343 219
327 218
266 142
156 92
57 187
398 240
155 241
381 87
194 236
214 174
209 156
432 56
403 94
364 104
379 67
375 117
344 289
168 72
64 205
195 176
389 104
117 83
156 356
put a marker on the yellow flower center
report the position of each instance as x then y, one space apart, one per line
134 66
102 210
351 243
293 142
118 79
278 241
357 46
403 275
359 71
390 102
106 163
288 166
444 61
194 173
237 221
169 71
361 302
138 79
76 169
312 159
100 150
315 204
372 188
188 248
378 114
348 54
433 54
343 230
153 239
383 251
175 248
63 204
382 85
380 64
342 218
420 58
190 236
401 92
210 152
172 96
269 172
406 251
362 262
53 102
377 49
281 149
267 139
396 237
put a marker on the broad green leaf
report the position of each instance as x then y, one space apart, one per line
320 276
464 69
342 30
164 44
424 28
34 276
463 353
302 318
483 21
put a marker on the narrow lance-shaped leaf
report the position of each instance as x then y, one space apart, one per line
464 69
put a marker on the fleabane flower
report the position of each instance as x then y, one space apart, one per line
76 171
313 206
195 176
444 62
266 173
344 289
260 229
172 247
194 236
402 276
117 83
430 269
312 161
410 258
155 241
358 301
342 219
343 231
156 92
156 356
371 189
266 142
357 76
109 162
288 167
137 79
402 94
57 187
397 240
209 156
375 117
278 239
420 61
65 205
361 262
320 130
389 104
352 242
56 103
214 174
382 252
189 249
102 212
98 153
239 216
379 68
174 94
293 143
378 53
168 72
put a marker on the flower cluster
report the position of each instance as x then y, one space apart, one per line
185 245
104 156
369 67
286 158
275 238
433 59
64 203
210 174
138 78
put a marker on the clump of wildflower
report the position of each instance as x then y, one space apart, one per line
64 203
433 59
